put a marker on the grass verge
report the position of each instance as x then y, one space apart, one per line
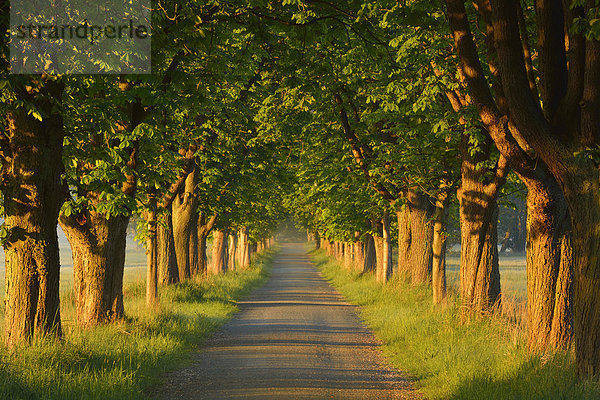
122 360
449 359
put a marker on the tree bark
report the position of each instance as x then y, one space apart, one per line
378 247
232 249
533 139
204 229
194 244
219 252
33 195
439 248
479 273
98 247
348 255
166 259
358 252
317 240
370 256
384 271
421 236
404 241
244 247
184 215
151 256
259 246
549 266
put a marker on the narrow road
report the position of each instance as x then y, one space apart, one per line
294 338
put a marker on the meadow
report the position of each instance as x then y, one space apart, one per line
452 357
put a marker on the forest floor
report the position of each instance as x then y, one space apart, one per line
295 338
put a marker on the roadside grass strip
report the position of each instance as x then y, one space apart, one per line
123 360
481 358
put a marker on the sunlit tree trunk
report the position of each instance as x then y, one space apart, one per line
421 236
98 248
348 255
549 266
384 271
219 252
404 241
439 248
244 245
33 195
166 260
232 248
479 273
184 215
151 255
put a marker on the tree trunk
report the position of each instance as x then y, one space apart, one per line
370 256
232 247
348 255
549 266
184 209
244 247
194 243
404 267
384 270
358 252
317 240
439 248
421 236
203 230
98 247
378 245
166 260
202 255
33 196
259 246
556 130
479 273
151 257
219 252
584 207
327 247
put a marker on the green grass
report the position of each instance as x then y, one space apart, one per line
123 360
451 359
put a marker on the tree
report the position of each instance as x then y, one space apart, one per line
542 141
32 196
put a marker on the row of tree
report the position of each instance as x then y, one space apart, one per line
346 113
412 106
178 148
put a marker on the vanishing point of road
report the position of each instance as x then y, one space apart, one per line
294 338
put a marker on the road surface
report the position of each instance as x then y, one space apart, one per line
294 338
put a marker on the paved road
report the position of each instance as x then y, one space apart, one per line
295 338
